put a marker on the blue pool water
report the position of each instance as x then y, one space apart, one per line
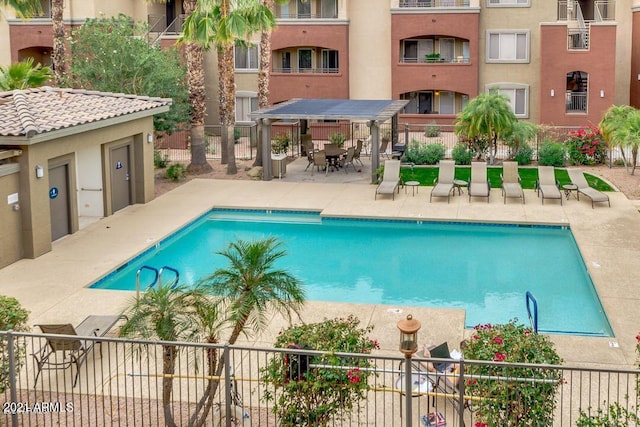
485 269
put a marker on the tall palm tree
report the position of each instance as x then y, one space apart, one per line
23 8
486 118
619 125
169 313
58 55
23 75
220 23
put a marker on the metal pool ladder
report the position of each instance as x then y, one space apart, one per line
533 320
157 277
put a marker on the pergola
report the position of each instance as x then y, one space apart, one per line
374 112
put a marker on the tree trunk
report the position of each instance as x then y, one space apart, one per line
58 56
634 153
206 401
197 98
228 104
263 78
221 108
168 369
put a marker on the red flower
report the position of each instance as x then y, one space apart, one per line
480 424
526 333
638 337
499 357
353 376
471 381
497 340
476 337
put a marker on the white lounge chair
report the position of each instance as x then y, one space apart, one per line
479 184
443 184
577 178
547 185
511 186
390 179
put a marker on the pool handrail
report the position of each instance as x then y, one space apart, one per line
153 282
175 271
532 320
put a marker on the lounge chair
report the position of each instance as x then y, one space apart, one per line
443 184
62 353
578 179
511 186
479 184
390 179
547 185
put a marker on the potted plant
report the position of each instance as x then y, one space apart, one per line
338 139
432 57
279 146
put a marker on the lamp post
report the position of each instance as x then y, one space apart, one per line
409 328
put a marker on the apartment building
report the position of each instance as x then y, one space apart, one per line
560 62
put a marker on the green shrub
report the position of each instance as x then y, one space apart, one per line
338 138
280 143
461 154
524 155
618 162
552 154
176 172
432 130
160 161
307 396
420 154
586 146
12 317
615 416
512 403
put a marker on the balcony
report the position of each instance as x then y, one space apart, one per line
309 9
576 102
434 3
327 70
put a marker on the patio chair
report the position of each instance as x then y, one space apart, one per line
547 185
358 150
577 178
390 179
511 186
308 147
383 147
443 184
348 160
63 353
320 161
479 185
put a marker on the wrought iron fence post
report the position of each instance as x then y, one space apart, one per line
406 135
227 385
408 383
461 382
12 375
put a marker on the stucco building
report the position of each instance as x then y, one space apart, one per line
561 62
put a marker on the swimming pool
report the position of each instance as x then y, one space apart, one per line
483 268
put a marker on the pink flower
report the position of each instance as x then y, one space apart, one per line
499 357
638 337
471 381
526 333
497 340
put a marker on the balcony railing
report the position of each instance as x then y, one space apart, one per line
158 24
306 70
307 15
434 3
456 60
605 10
577 39
576 102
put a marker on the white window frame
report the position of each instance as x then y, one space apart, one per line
515 33
244 98
508 86
508 3
249 49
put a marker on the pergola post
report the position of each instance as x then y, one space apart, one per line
267 169
374 128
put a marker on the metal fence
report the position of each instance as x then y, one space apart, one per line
127 383
176 146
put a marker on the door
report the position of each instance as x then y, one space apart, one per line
120 178
59 201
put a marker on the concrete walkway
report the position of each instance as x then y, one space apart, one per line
53 287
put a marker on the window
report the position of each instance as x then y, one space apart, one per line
246 102
283 10
286 62
329 61
304 59
508 46
304 9
508 3
246 57
446 102
518 95
416 50
328 9
447 49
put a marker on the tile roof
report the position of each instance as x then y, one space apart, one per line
35 111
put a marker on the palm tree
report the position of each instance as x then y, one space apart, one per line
58 55
23 8
23 75
484 119
620 128
220 23
169 313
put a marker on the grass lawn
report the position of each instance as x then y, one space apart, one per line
426 176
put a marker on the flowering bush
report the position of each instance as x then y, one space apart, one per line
511 403
586 146
306 395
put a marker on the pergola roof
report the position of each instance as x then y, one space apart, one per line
332 109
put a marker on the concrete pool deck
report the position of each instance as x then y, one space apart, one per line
53 286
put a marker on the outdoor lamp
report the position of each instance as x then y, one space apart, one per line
409 328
